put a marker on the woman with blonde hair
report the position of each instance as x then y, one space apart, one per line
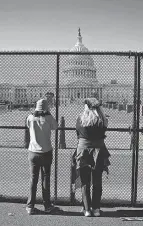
92 154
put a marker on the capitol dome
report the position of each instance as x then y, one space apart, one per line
79 47
78 78
80 66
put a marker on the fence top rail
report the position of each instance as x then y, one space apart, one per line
42 52
69 148
128 129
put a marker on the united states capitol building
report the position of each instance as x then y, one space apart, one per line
78 80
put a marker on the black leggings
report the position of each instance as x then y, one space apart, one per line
86 173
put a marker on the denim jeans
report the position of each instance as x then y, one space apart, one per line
85 175
37 162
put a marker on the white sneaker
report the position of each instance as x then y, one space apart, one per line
30 211
87 213
96 212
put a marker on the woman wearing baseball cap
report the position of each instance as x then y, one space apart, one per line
40 124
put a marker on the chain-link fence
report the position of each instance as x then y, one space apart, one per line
113 78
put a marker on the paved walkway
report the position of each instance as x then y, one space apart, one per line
14 214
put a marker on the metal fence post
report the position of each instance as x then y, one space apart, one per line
62 142
56 133
72 181
134 133
137 127
26 138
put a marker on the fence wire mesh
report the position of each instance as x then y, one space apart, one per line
140 156
25 78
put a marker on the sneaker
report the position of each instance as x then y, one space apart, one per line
49 209
87 213
96 212
30 210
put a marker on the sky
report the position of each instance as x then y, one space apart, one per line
106 25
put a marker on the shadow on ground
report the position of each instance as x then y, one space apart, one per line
122 213
110 214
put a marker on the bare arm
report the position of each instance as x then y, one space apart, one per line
27 122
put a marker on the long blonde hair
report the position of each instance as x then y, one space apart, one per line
90 117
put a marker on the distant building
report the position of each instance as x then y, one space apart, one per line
5 92
37 91
20 95
117 93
